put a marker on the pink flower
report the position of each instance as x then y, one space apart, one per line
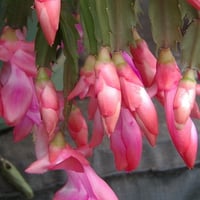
136 99
107 88
77 126
184 98
48 99
16 51
194 3
143 59
185 139
85 85
83 183
126 142
167 74
48 13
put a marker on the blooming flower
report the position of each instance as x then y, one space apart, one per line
20 106
126 142
48 13
83 183
107 89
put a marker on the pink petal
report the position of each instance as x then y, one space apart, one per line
16 95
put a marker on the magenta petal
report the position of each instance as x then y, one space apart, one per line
22 129
16 96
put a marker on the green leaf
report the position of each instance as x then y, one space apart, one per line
122 16
103 22
69 36
45 54
165 21
14 177
17 12
190 46
87 21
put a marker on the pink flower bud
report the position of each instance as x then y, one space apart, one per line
107 89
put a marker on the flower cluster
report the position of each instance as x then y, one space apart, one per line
118 85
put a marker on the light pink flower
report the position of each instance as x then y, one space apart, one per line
48 13
126 142
107 89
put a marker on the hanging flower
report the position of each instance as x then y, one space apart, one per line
48 99
136 99
107 88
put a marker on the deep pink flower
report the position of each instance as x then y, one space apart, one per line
184 98
48 13
136 99
107 88
126 142
143 59
194 3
